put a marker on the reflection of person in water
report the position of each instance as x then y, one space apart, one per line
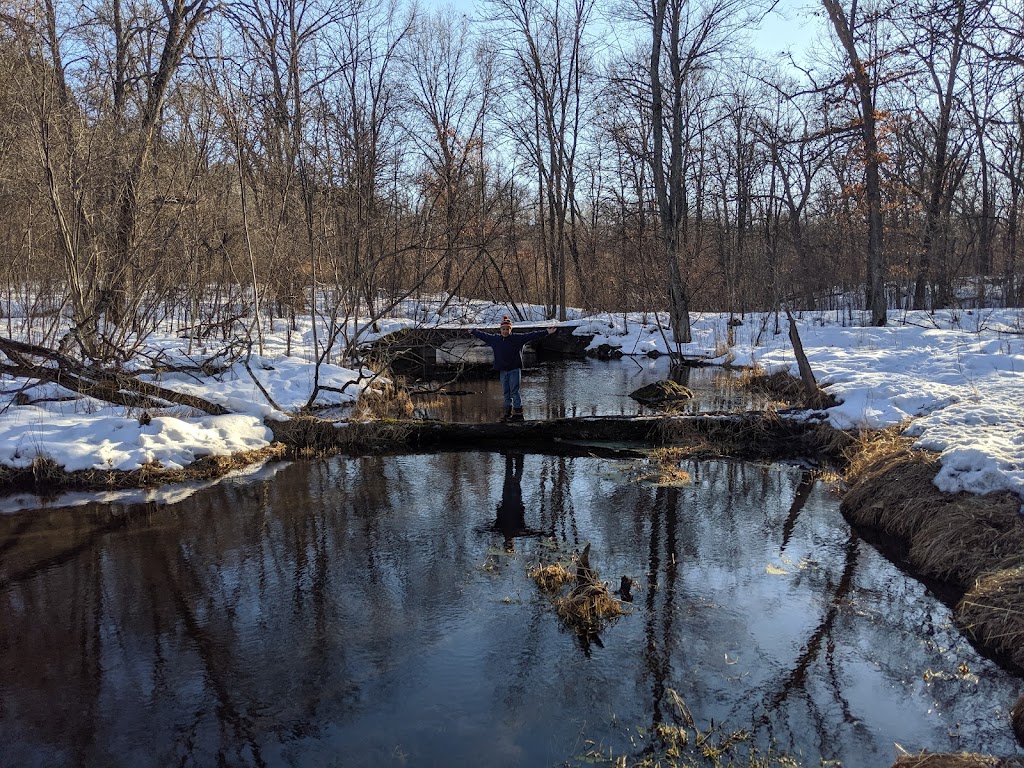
511 519
511 516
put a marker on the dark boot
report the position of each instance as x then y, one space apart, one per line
507 415
517 415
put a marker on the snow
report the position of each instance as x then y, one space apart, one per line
952 379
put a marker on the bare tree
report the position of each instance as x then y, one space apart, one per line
544 41
172 33
686 38
447 95
798 148
850 25
938 36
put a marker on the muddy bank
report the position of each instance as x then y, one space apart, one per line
958 760
761 435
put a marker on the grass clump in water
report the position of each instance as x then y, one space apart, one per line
552 577
588 606
663 468
682 744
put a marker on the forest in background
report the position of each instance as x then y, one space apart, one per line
234 162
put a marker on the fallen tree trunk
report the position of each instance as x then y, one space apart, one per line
30 361
755 435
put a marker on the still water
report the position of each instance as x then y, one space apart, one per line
378 612
570 388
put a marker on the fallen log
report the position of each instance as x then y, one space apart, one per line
31 361
750 435
746 435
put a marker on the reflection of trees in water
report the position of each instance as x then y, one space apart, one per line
803 493
557 500
255 613
107 602
660 594
820 643
687 532
52 596
770 490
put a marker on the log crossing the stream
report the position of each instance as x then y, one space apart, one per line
744 435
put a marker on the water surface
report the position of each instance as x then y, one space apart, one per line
569 388
378 611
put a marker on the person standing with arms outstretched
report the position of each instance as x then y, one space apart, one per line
508 361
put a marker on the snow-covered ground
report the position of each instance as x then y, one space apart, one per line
956 379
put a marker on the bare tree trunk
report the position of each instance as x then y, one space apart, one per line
875 287
669 191
182 19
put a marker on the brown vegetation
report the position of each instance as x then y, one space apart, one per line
46 476
993 611
384 402
312 437
975 543
663 467
1017 719
588 606
780 385
786 389
551 577
954 760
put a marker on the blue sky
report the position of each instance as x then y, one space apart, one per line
790 26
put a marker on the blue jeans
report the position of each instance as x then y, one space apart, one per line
510 387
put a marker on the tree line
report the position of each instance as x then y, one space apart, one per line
232 164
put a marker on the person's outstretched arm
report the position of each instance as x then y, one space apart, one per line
533 335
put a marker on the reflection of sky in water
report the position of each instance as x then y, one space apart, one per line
588 388
364 612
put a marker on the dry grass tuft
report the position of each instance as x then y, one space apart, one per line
993 611
384 402
551 578
890 486
786 389
588 606
664 468
968 536
780 385
832 442
46 472
869 452
958 760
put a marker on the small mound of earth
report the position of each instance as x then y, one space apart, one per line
661 392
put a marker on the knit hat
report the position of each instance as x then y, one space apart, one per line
506 320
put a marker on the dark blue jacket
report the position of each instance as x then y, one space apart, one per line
508 350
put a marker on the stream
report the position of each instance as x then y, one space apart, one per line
378 611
